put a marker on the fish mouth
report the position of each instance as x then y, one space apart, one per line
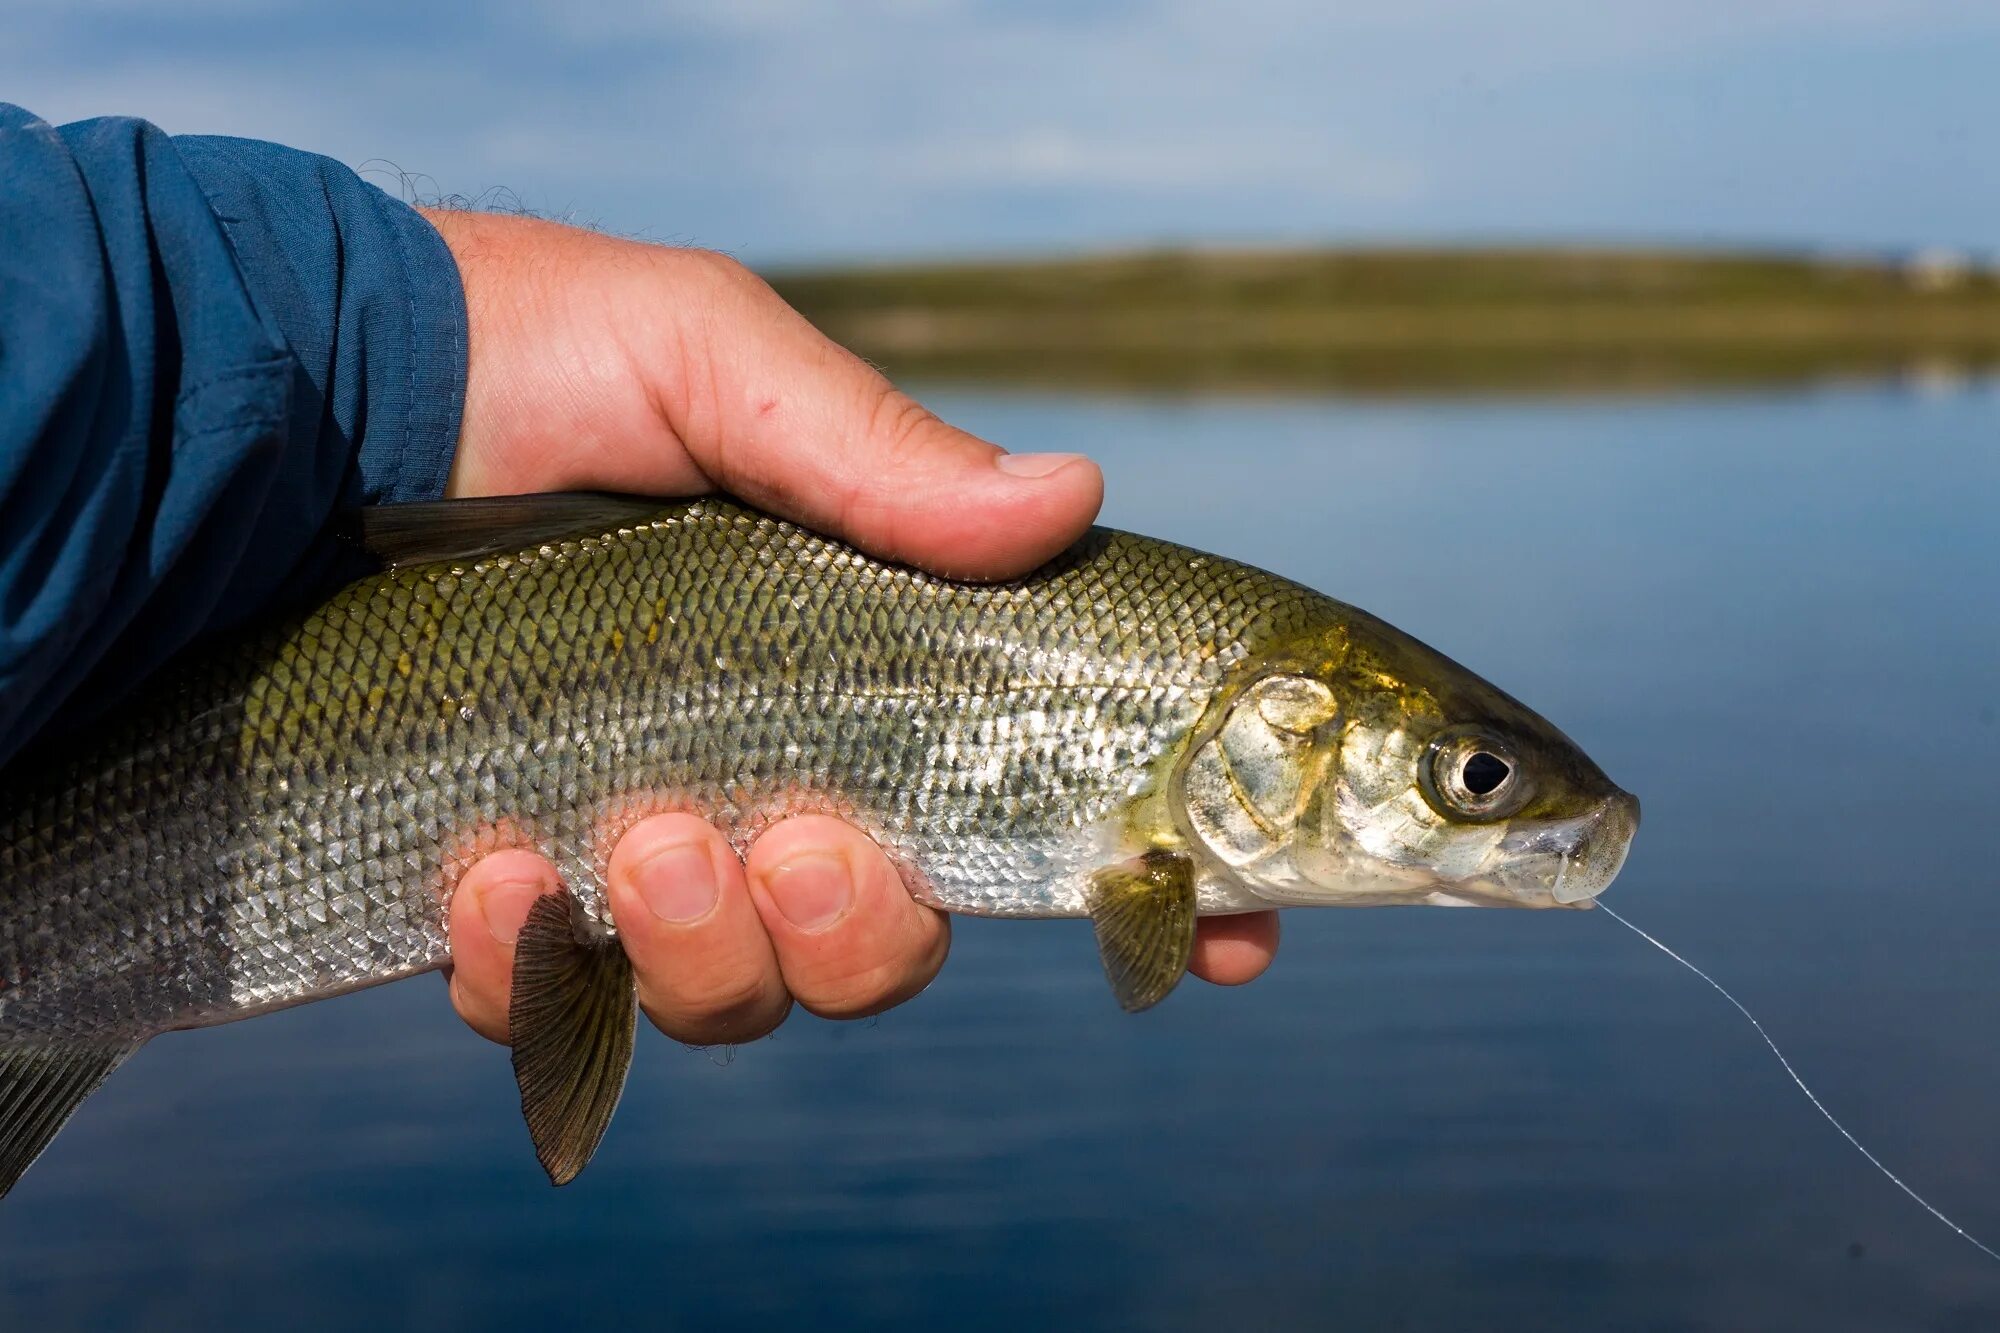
1565 862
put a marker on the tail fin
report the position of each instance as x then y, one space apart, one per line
40 1086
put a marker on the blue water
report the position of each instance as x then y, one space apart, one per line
1774 618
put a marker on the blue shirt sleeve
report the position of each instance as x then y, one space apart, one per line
207 347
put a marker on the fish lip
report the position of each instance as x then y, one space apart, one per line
1565 863
1603 847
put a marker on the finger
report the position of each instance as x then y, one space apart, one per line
772 410
850 939
705 967
487 911
1230 950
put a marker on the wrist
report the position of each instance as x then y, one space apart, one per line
508 314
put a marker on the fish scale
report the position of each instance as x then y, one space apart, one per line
281 817
1135 732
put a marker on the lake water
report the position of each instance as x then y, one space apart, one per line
1774 618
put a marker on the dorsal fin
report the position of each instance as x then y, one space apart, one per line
437 530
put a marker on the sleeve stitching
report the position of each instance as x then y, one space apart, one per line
266 418
253 370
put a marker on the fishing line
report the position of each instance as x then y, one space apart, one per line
1811 1096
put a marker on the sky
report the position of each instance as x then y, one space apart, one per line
788 132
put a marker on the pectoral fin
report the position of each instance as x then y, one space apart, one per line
1144 910
571 1012
40 1087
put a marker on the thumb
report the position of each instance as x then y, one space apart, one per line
773 411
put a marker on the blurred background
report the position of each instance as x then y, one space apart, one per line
1639 356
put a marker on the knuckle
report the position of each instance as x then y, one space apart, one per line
720 269
868 989
476 1012
743 1013
722 998
896 437
719 1000
898 424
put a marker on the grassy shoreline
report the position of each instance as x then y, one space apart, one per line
1532 320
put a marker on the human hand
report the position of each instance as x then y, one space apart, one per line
597 363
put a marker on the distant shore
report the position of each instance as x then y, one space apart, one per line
1407 320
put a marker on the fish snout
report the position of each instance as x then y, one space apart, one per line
1567 862
1600 852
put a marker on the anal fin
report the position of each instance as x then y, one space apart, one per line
1144 910
40 1088
571 1012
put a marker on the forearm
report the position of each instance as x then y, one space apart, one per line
206 347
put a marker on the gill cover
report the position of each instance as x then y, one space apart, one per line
1246 787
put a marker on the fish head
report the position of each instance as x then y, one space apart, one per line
1362 767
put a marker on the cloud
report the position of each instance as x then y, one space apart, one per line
786 128
1058 157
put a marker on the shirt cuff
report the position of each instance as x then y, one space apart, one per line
368 297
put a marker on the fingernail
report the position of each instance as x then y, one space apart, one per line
678 883
505 906
813 891
1034 465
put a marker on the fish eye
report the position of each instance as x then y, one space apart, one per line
1471 774
1483 772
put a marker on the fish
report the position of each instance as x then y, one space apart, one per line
1137 733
